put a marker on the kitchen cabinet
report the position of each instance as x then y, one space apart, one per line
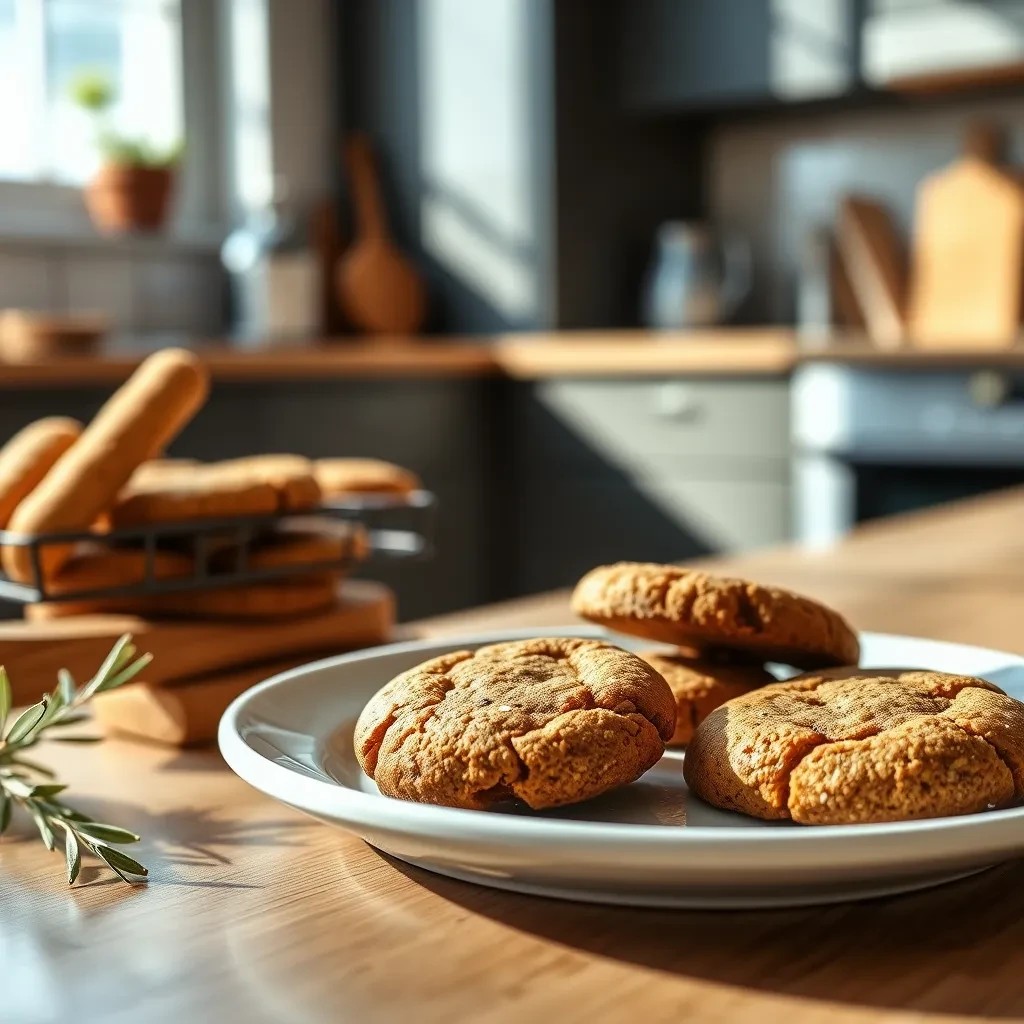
692 56
645 470
942 43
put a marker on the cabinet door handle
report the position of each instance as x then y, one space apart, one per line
678 402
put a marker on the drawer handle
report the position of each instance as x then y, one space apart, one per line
678 402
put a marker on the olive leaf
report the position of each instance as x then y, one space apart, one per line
40 800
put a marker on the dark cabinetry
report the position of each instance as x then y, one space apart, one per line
690 55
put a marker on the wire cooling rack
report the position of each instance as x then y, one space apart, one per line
397 527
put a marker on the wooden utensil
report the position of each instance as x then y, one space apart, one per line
379 289
873 258
32 652
846 311
968 254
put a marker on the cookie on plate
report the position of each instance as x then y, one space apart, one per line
701 684
547 721
857 746
695 609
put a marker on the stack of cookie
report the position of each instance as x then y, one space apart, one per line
723 631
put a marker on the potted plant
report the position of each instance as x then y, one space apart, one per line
132 189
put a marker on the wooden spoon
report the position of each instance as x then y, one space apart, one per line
379 289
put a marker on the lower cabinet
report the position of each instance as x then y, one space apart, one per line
645 470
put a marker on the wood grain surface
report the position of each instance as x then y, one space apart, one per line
255 913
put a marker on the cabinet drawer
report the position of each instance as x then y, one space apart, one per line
567 527
620 422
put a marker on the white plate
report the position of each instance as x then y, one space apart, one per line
648 844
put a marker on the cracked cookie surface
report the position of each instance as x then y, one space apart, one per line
547 721
854 746
694 609
699 685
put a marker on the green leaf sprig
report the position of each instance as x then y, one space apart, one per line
20 776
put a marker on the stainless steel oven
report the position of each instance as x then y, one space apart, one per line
870 442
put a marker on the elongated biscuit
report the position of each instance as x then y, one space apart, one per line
291 476
116 567
295 547
29 456
135 424
339 477
194 492
272 599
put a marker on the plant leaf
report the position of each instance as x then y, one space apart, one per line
122 860
26 722
5 812
45 831
106 833
6 699
54 705
121 863
17 786
108 668
124 675
66 682
45 792
76 739
72 854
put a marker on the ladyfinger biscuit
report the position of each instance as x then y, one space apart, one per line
134 425
292 548
199 492
291 476
276 599
338 477
29 456
116 567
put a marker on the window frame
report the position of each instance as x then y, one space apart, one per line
52 209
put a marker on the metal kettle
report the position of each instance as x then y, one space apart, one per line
695 278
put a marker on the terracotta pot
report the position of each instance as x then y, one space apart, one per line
124 197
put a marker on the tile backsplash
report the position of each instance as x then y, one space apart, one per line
776 178
138 291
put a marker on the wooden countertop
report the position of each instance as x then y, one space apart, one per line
256 913
763 351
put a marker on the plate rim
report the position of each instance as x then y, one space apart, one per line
342 803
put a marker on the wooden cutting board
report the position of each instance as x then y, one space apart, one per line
32 652
875 265
968 252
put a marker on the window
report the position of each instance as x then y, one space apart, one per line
135 44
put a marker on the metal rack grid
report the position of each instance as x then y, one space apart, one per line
412 538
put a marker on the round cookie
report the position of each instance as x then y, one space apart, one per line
701 684
694 609
851 747
547 721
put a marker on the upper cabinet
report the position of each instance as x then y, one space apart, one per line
930 45
693 55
